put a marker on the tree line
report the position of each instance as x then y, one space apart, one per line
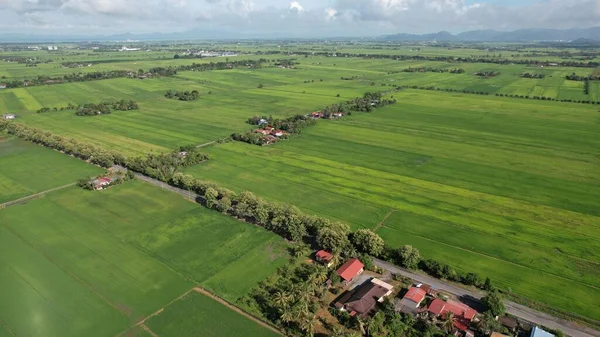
103 108
434 70
91 109
533 75
183 95
575 77
160 166
156 71
441 58
487 74
465 91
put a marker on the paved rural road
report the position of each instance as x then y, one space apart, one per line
515 309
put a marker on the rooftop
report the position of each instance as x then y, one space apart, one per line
438 307
350 269
362 299
539 332
415 294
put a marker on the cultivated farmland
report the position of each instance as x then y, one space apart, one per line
71 261
516 180
27 169
197 313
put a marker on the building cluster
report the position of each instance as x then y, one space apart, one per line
206 53
270 134
319 115
421 300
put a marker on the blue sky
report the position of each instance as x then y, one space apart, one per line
291 18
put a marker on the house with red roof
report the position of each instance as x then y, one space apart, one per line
324 257
263 131
349 270
411 301
463 314
101 183
2 86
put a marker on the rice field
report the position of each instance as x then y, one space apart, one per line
505 188
72 263
199 315
26 169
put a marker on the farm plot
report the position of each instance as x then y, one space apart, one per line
72 259
199 315
27 169
228 99
492 169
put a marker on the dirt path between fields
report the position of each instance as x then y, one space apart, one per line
199 290
380 224
147 329
236 309
33 196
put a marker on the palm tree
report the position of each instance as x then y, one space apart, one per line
282 300
308 325
287 316
448 323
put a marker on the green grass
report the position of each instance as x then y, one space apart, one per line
513 185
199 315
27 169
222 254
72 266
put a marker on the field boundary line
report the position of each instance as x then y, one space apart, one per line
33 196
72 275
198 289
499 259
382 222
236 309
5 325
148 330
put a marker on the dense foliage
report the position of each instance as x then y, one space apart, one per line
487 74
104 108
532 75
575 77
183 95
434 70
152 72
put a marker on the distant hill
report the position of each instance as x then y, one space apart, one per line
521 35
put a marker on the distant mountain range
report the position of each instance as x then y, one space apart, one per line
590 35
580 36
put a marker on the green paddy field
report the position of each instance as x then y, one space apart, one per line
505 188
27 169
83 263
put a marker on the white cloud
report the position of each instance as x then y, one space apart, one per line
281 18
330 13
295 5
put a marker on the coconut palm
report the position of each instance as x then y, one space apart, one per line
282 300
287 316
448 323
308 325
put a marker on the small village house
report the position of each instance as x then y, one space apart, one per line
2 85
101 183
349 270
324 257
539 332
9 116
364 298
411 301
463 314
509 322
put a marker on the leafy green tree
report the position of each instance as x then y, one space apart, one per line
211 195
223 204
368 242
333 237
487 286
493 303
408 257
